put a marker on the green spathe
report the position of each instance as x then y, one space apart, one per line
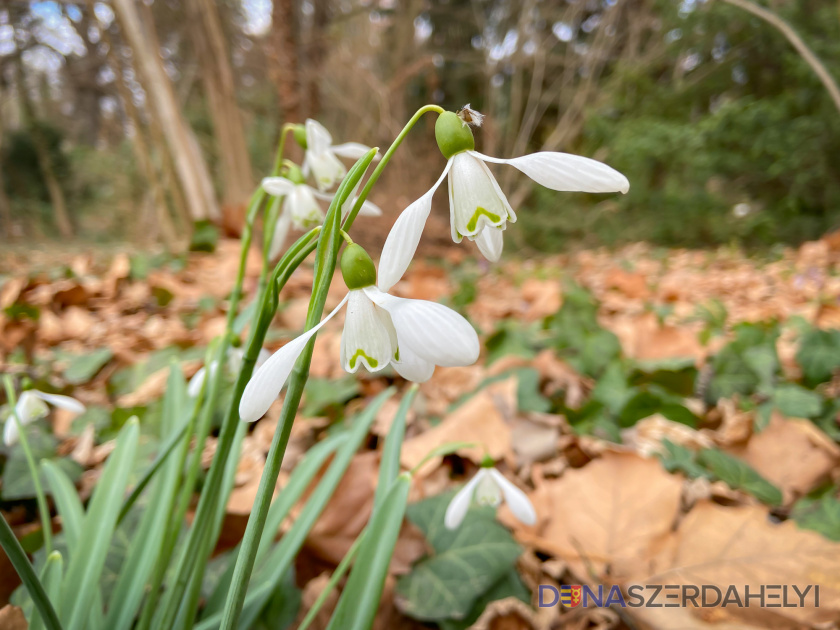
453 135
299 132
357 268
294 174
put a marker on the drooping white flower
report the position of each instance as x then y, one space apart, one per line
478 209
321 157
31 406
234 364
380 329
301 208
488 487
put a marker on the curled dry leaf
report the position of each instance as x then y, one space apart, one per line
646 436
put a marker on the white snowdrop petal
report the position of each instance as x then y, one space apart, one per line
490 242
10 432
404 237
281 231
517 501
196 382
267 381
30 406
303 208
566 172
460 503
277 186
435 333
326 168
412 368
352 150
369 209
318 139
64 402
365 340
475 197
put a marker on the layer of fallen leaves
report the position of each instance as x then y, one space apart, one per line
607 514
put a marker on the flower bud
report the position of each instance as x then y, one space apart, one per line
299 132
357 268
294 174
453 135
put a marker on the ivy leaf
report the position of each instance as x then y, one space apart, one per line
819 355
821 515
83 367
677 458
739 475
466 564
17 480
796 401
510 585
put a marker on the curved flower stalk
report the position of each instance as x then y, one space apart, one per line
321 157
301 208
32 406
380 330
488 487
478 209
235 357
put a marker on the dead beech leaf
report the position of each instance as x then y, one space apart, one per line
533 441
479 421
151 389
647 435
633 285
562 376
610 516
11 618
741 546
793 454
542 298
642 337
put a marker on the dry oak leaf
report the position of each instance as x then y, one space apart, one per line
741 546
793 454
633 285
478 421
610 517
643 338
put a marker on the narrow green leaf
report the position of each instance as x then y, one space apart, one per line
85 568
389 466
17 556
67 503
359 601
51 579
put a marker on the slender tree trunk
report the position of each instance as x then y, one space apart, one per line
211 49
42 152
191 167
283 59
5 205
138 143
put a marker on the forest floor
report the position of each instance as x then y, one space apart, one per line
672 415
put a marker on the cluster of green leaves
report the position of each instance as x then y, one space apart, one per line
746 369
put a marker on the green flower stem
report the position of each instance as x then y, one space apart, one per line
198 539
17 556
43 508
325 260
281 147
339 572
348 222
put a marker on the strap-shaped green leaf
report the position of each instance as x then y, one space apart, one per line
85 567
357 607
67 503
51 579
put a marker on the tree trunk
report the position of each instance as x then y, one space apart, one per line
191 167
5 205
283 59
42 153
211 50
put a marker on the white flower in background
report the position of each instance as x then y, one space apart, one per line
321 157
478 209
234 364
301 208
32 406
380 329
488 487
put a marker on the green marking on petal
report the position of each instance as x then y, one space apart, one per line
361 353
397 355
473 222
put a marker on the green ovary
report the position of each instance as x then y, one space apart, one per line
473 222
361 353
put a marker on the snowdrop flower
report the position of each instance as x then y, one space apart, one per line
321 157
478 209
380 329
32 406
488 487
301 208
234 364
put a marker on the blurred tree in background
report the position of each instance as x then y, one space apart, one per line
158 114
